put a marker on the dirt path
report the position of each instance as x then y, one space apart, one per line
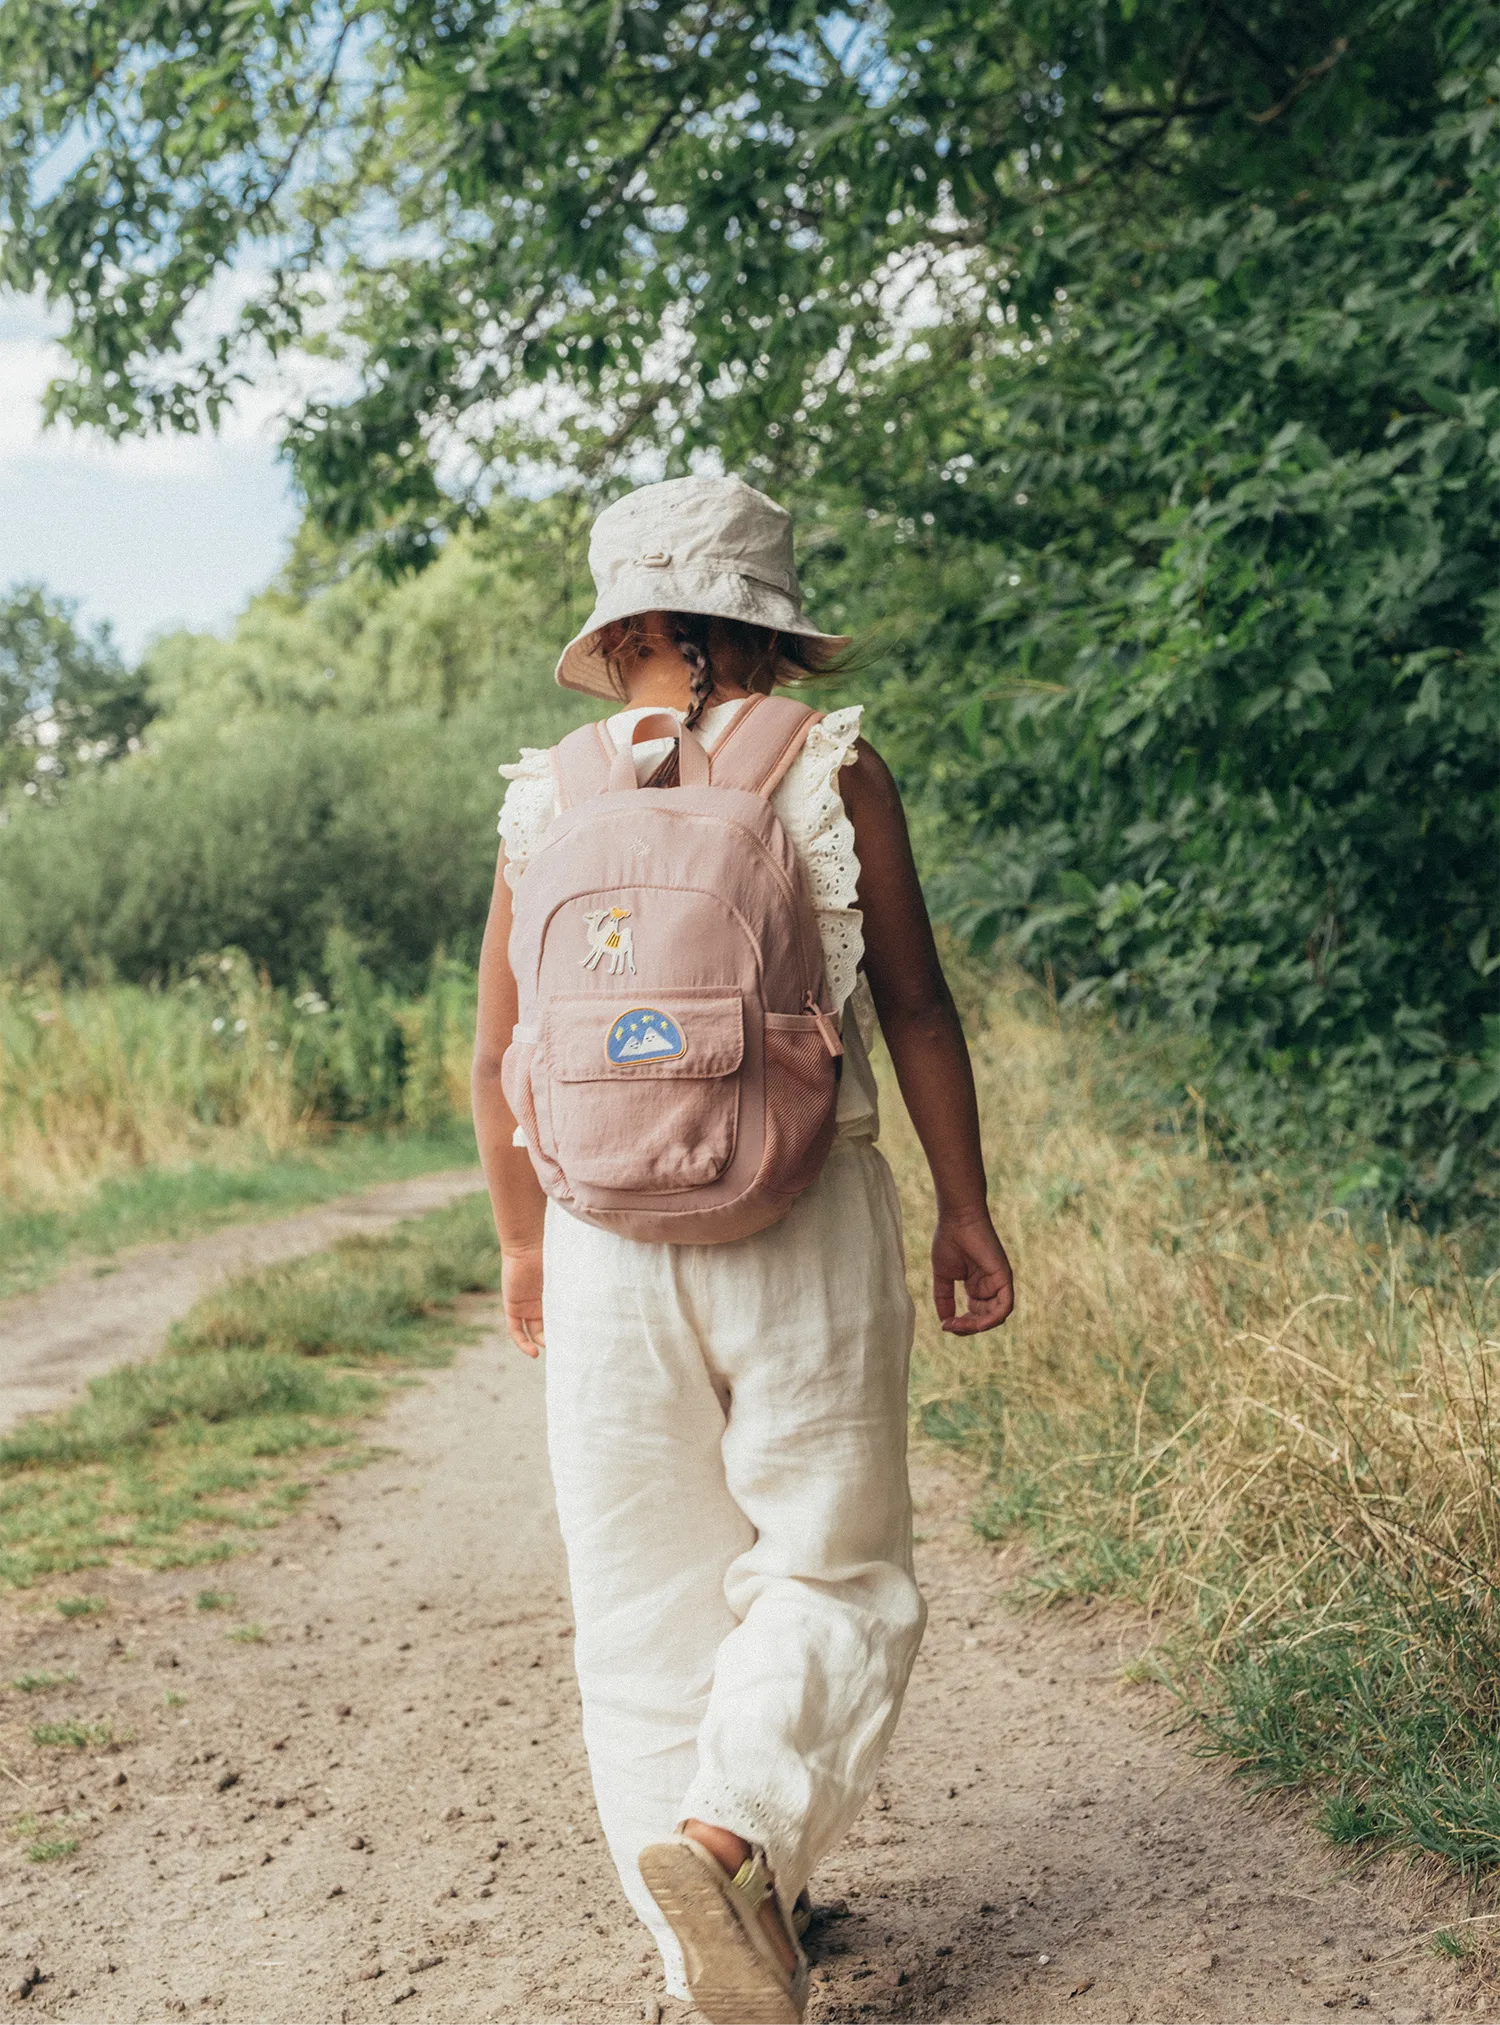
385 1801
97 1316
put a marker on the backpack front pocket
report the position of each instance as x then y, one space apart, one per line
643 1096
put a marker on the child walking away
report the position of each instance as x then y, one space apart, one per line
703 906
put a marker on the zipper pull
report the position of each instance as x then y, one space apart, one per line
826 1027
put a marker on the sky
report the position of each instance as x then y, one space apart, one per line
150 535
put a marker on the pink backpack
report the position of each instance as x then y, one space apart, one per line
674 1069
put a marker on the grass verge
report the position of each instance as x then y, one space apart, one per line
182 1200
168 1463
1274 1429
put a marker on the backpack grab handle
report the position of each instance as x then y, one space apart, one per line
692 754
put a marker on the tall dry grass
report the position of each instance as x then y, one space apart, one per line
1272 1427
102 1082
96 1083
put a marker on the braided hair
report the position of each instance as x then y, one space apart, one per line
701 685
690 635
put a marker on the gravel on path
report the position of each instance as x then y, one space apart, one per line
99 1315
378 1799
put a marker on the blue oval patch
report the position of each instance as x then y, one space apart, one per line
644 1035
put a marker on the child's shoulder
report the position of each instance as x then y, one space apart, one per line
865 783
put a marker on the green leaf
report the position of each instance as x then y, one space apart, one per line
1076 888
1478 1088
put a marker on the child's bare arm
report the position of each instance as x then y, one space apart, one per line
922 1030
514 1189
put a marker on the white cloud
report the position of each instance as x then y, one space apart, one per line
151 532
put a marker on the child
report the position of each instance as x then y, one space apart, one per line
727 1419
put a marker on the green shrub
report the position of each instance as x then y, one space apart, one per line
330 765
266 833
1196 670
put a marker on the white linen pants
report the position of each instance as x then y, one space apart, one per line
727 1429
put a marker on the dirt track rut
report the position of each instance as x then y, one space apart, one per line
98 1315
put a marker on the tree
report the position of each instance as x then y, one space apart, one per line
1134 361
66 698
715 219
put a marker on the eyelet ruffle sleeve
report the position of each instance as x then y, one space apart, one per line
813 815
529 806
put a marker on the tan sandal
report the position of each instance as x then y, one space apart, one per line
733 1971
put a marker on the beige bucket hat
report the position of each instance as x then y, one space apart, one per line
712 545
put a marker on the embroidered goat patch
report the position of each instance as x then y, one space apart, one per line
644 1035
608 936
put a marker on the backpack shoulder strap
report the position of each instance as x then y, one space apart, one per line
762 741
581 764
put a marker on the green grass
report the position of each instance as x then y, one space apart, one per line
1391 1712
172 1462
80 1606
172 1202
1271 1423
41 1683
249 1634
216 1599
51 1849
73 1736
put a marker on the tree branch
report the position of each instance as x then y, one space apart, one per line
1114 115
627 169
314 114
1304 83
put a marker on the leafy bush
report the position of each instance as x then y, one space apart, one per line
331 764
482 626
1196 666
267 833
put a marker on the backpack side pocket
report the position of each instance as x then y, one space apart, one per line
801 1102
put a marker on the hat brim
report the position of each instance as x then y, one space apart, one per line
713 593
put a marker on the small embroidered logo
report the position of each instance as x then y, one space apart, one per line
644 1035
608 936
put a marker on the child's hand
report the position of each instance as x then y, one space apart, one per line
967 1249
521 1290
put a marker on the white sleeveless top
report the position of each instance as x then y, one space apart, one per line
812 813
